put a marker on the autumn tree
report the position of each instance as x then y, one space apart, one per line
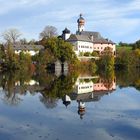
136 45
49 31
24 61
106 61
43 58
2 53
11 59
60 49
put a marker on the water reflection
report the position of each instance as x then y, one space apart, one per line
81 88
47 106
89 88
128 78
72 87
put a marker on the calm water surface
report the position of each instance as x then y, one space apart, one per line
33 107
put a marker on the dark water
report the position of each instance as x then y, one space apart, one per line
33 107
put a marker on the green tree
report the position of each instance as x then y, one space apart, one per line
87 54
43 58
2 53
60 49
136 45
25 61
128 59
122 58
134 59
11 59
95 53
93 67
106 61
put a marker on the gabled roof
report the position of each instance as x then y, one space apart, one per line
94 34
97 38
103 41
100 40
74 37
27 47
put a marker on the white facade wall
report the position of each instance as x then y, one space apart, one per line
81 28
100 47
82 86
82 46
32 53
67 36
31 83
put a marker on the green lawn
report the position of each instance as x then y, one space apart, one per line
124 48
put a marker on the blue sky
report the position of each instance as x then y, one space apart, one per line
118 20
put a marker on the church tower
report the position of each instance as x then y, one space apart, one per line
66 34
81 24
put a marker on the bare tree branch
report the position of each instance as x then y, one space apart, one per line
11 35
49 31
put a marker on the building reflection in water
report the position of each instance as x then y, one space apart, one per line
90 89
81 108
86 89
13 89
66 100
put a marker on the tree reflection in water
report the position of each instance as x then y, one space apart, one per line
14 85
130 77
53 88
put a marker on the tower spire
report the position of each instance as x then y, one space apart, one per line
81 23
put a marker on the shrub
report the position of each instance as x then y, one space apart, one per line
94 53
87 54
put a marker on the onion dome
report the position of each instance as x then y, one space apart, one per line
66 31
81 113
66 103
81 20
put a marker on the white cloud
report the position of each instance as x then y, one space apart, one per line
8 5
118 17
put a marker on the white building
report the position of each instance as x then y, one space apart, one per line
83 85
30 49
87 41
81 44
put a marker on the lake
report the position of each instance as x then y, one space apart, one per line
46 106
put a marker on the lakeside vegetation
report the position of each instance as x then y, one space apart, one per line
52 87
54 49
127 55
